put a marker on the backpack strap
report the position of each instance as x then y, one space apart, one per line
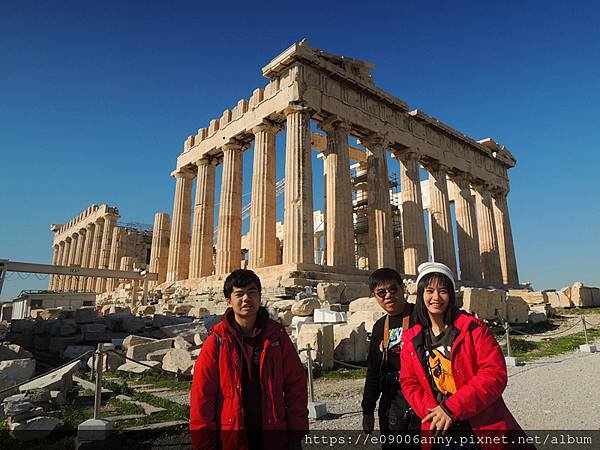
386 341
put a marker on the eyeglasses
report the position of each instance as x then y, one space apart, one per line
381 293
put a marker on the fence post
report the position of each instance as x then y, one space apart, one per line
587 347
98 392
311 392
510 361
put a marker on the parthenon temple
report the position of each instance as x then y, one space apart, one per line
363 227
94 239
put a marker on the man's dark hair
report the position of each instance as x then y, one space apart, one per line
240 278
421 314
385 275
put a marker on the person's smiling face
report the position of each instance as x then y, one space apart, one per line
436 297
390 296
245 301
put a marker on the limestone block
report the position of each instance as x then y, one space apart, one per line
517 310
411 288
17 404
159 320
330 292
283 305
537 317
565 297
13 351
14 371
182 309
531 297
285 318
61 379
73 351
23 339
22 325
354 291
326 315
186 330
320 338
36 314
553 298
59 343
35 412
105 310
119 309
367 317
595 296
581 296
363 304
198 339
111 361
135 340
59 398
350 342
93 327
198 312
50 313
35 428
64 327
181 343
145 310
158 355
86 314
299 321
139 352
305 306
41 342
132 324
134 367
487 304
178 360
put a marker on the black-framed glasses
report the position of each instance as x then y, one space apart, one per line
381 293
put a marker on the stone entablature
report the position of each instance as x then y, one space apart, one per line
306 86
90 215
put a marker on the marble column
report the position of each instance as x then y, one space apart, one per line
117 251
110 221
466 230
508 260
413 223
159 253
440 218
298 227
96 251
338 187
64 256
71 261
381 237
263 235
201 261
488 239
229 234
54 262
179 241
87 253
78 257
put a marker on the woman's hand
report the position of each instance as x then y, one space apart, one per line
440 421
368 424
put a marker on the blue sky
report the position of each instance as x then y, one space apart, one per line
96 99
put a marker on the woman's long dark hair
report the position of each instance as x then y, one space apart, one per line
421 314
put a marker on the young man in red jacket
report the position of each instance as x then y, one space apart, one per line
249 388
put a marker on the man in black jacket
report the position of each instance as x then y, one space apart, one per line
383 361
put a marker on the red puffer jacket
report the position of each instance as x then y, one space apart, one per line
479 371
216 396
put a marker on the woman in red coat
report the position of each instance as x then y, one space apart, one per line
453 371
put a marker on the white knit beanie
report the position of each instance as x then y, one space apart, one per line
435 267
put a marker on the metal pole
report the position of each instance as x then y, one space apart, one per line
98 392
507 328
584 329
310 373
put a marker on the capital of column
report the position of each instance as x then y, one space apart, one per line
373 140
436 166
462 179
409 154
499 192
332 123
233 145
206 160
183 172
296 108
267 126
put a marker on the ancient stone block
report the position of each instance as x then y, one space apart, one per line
367 317
330 292
139 352
158 355
305 306
537 317
64 327
327 315
135 340
487 304
581 296
186 330
178 360
517 310
85 314
134 367
350 342
159 320
285 318
13 351
61 379
93 327
22 325
363 304
198 312
34 428
320 338
58 343
354 291
17 404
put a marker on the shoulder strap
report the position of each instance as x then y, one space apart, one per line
405 323
386 341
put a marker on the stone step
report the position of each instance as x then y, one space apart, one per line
148 408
